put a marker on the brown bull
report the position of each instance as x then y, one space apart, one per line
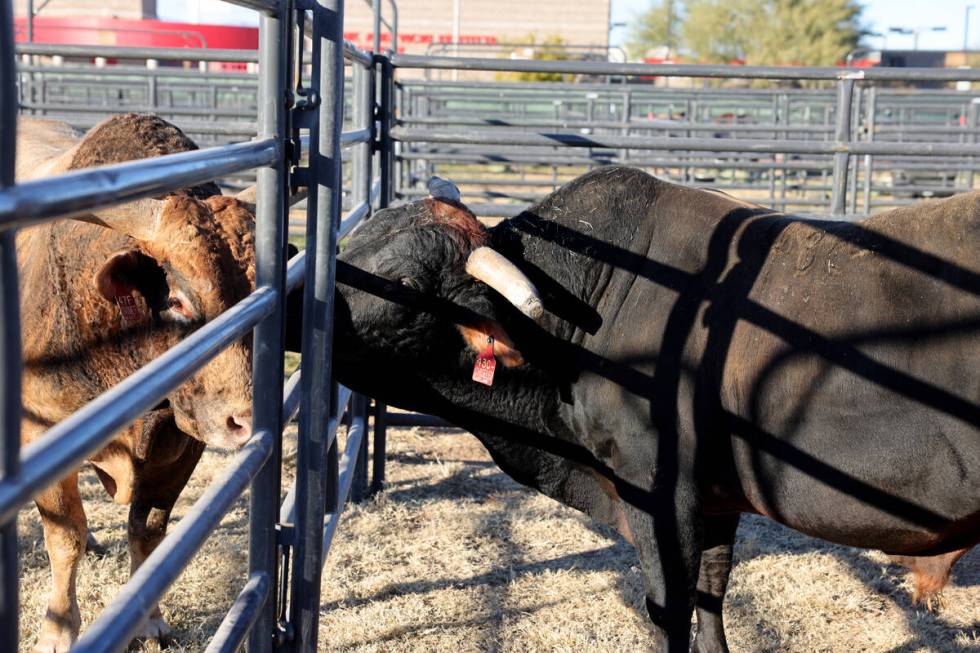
100 298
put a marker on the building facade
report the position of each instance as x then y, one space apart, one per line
429 26
128 9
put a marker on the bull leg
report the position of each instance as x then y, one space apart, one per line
666 528
716 565
931 574
158 484
65 530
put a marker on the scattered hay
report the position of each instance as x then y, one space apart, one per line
457 557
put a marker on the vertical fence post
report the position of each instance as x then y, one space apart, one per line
363 110
10 363
971 128
323 213
271 217
380 446
842 134
855 120
870 116
386 165
362 107
358 489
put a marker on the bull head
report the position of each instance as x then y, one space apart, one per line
421 288
490 267
163 268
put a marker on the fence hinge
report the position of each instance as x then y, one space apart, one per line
300 177
285 535
284 634
303 113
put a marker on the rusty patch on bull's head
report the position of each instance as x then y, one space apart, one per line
460 221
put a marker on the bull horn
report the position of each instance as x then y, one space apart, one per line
140 220
249 195
493 269
443 189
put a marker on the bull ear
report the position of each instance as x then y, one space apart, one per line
133 281
476 339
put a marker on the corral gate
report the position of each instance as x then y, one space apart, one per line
298 146
279 604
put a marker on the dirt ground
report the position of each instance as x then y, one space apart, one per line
455 556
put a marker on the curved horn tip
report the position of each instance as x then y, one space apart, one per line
443 189
533 308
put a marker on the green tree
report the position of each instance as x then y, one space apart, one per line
814 32
720 31
772 32
551 48
765 32
656 27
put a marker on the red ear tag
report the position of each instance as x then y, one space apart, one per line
485 364
130 309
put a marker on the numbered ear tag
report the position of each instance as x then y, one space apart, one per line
485 364
128 306
131 312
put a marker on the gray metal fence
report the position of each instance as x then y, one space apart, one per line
279 603
217 107
775 145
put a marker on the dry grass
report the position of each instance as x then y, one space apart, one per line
457 557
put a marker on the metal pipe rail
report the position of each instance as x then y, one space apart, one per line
69 72
242 615
715 71
79 192
121 620
10 347
506 137
66 444
267 594
162 54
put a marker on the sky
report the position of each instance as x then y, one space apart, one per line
879 15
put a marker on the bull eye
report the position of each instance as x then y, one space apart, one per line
180 309
409 282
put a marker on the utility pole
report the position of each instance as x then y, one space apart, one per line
966 32
670 27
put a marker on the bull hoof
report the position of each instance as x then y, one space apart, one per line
705 644
155 636
54 642
933 602
94 547
58 632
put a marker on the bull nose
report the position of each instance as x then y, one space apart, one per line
239 426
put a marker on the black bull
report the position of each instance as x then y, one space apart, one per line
700 357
